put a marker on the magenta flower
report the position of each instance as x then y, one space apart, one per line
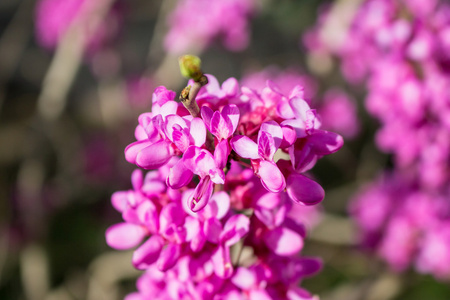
162 136
202 163
262 153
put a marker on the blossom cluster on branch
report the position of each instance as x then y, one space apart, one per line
219 218
401 50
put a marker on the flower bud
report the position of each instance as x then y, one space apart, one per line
190 66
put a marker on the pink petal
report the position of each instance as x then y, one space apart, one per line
199 161
137 179
283 241
148 216
230 87
244 278
198 241
119 200
213 86
207 114
302 158
299 107
325 142
259 294
134 296
171 214
232 112
271 177
309 266
140 134
179 175
297 92
289 136
174 122
192 226
296 293
168 108
222 262
148 252
168 257
235 228
218 206
181 139
275 131
298 125
266 146
198 132
154 156
221 154
212 228
124 235
201 195
221 127
284 110
303 190
132 150
245 147
310 121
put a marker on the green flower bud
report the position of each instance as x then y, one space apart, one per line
190 67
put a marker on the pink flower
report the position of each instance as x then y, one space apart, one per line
262 153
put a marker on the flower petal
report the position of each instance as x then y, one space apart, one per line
221 127
244 278
212 228
230 87
232 112
302 157
283 241
235 228
297 293
173 122
199 161
207 114
284 110
132 150
245 147
154 156
124 235
201 195
325 142
289 136
198 132
221 154
168 257
299 107
275 131
218 206
303 190
179 175
148 252
271 177
266 146
222 262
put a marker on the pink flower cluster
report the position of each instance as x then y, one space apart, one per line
402 50
218 218
54 18
405 224
334 102
195 23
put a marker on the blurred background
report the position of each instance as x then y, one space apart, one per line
76 74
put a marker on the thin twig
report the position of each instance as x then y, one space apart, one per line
188 98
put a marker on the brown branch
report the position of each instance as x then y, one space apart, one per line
187 97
